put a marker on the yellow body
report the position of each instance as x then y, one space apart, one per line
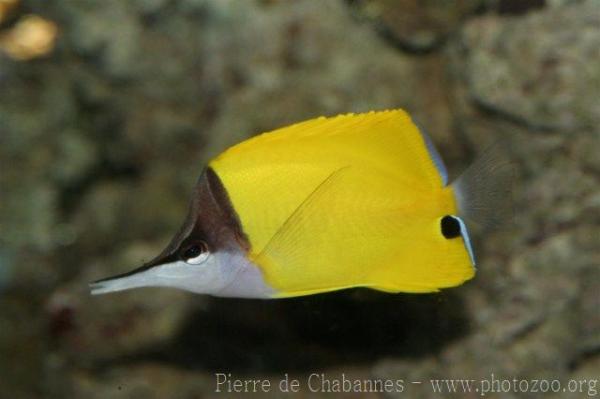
348 201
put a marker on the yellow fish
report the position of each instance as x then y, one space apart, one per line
357 200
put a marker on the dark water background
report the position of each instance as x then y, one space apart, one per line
102 139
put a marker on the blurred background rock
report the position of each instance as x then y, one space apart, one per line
109 110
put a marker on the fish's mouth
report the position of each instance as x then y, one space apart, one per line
115 284
99 287
136 278
141 276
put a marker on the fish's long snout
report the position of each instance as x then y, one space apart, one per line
108 286
134 279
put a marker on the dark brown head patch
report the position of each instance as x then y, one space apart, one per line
211 219
215 218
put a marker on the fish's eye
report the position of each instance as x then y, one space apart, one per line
195 253
450 227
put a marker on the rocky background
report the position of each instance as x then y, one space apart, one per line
105 126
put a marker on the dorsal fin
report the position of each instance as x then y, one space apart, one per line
269 175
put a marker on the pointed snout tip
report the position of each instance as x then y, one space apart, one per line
98 288
110 284
120 282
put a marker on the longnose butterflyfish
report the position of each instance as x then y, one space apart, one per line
356 200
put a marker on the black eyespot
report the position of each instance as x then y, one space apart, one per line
450 227
194 250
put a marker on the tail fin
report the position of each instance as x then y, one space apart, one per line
484 190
